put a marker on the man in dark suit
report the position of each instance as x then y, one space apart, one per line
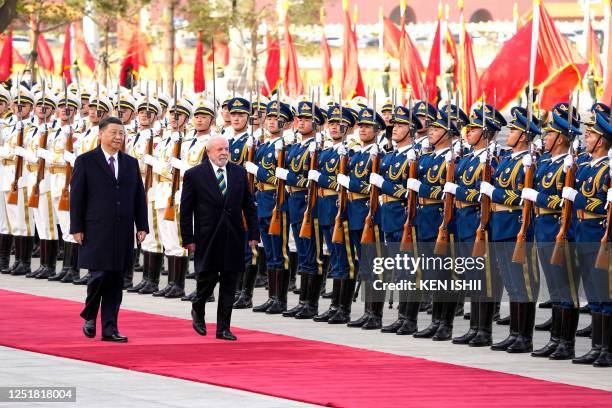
214 198
106 199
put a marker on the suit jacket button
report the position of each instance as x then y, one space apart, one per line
118 202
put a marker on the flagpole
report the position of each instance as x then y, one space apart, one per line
535 31
606 42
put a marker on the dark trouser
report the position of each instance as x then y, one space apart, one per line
205 285
104 288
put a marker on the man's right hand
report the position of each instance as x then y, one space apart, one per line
78 237
189 247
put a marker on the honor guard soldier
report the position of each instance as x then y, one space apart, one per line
21 222
167 197
6 239
426 113
161 125
520 276
142 148
562 280
226 128
269 205
394 173
591 197
125 108
239 110
357 183
342 269
385 140
60 154
309 250
81 119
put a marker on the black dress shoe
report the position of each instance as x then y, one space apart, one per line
226 335
393 327
545 326
444 333
199 325
115 338
504 321
89 328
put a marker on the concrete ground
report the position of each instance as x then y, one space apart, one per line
22 368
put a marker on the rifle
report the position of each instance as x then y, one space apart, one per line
12 196
338 233
520 254
306 229
64 201
169 213
149 169
119 113
411 202
443 238
558 255
252 144
367 237
603 255
275 222
98 113
42 144
485 201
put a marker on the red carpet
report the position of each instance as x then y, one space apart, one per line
281 366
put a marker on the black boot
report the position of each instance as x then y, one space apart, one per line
154 266
181 263
25 260
586 332
343 314
484 334
303 291
546 305
261 280
52 247
18 247
524 341
43 260
168 286
436 318
445 330
128 278
238 290
514 329
545 326
555 334
367 308
401 317
245 300
410 323
335 302
465 339
605 357
71 258
65 264
271 276
374 321
138 267
6 242
145 273
593 354
80 281
569 323
282 284
311 307
293 266
189 297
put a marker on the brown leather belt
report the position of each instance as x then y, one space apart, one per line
9 162
32 167
163 179
327 192
545 211
296 189
389 199
265 187
356 196
585 215
54 169
463 204
429 201
495 207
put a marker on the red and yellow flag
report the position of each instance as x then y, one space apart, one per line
199 83
327 71
45 57
411 67
272 70
352 83
82 53
293 82
67 56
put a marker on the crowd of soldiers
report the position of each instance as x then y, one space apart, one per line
328 176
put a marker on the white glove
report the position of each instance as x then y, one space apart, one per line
526 161
493 148
482 157
314 175
569 193
251 167
179 164
449 156
66 129
425 144
610 196
413 184
457 147
312 147
486 189
69 157
44 154
250 142
343 180
568 162
278 145
374 151
450 188
529 194
19 125
411 155
376 180
342 150
148 159
146 134
537 144
319 138
281 173
175 136
576 144
20 151
4 152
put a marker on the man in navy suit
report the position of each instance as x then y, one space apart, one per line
214 201
107 199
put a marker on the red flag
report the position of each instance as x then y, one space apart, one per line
6 58
131 62
199 82
593 53
391 38
468 81
559 68
452 49
352 83
327 71
67 57
221 54
45 57
81 50
293 81
272 71
433 67
411 67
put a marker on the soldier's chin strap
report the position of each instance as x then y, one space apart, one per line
446 133
595 144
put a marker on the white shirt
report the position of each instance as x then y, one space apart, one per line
216 168
116 163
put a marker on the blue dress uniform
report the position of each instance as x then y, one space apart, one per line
521 280
394 169
360 168
592 185
275 246
562 280
309 250
428 113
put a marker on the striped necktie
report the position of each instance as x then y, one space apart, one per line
221 181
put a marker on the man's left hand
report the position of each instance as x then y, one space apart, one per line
140 235
253 243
